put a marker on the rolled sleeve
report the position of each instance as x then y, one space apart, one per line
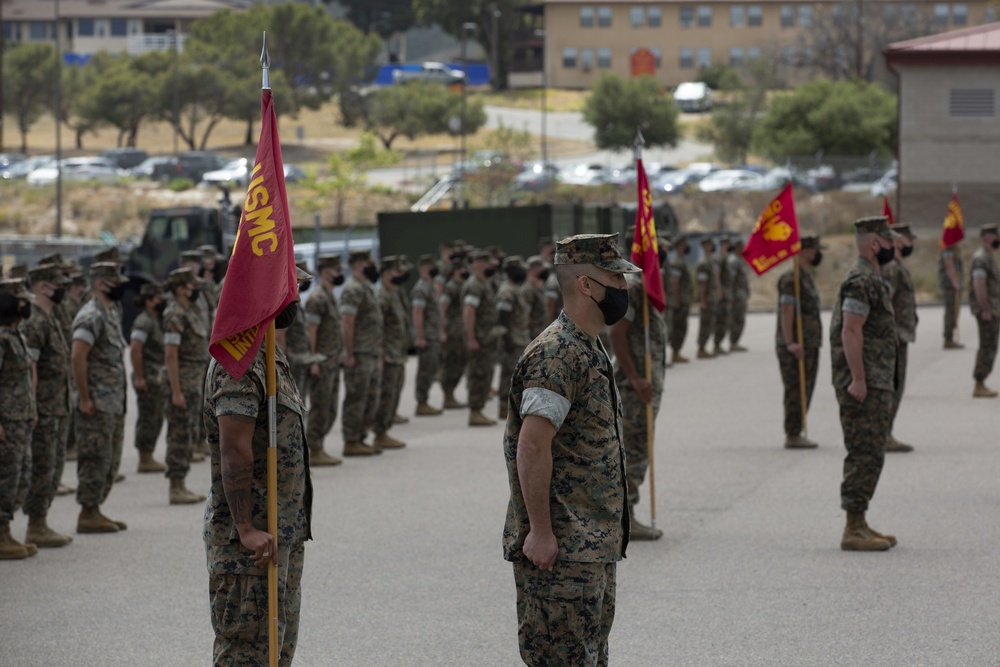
171 338
472 300
505 306
852 305
85 335
35 354
347 309
314 319
787 300
979 273
139 336
545 403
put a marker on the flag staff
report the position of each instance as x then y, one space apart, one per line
272 445
639 143
799 340
958 292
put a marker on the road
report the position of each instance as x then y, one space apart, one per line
406 566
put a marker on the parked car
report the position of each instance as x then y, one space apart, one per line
235 172
158 168
693 96
730 179
77 169
887 184
21 169
190 164
428 71
125 158
536 177
823 178
672 182
585 174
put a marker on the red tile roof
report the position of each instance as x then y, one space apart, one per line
974 45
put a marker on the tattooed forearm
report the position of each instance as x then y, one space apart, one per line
237 480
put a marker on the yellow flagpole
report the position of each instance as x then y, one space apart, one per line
649 411
272 496
958 314
802 360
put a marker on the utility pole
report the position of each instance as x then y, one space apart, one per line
860 48
59 188
3 46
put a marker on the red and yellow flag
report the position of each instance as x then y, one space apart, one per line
645 248
260 280
775 236
954 224
887 210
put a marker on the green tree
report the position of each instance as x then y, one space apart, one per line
123 92
346 173
76 79
28 73
720 76
617 107
492 184
733 122
382 17
835 117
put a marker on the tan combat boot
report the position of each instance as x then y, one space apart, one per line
179 494
64 490
425 410
858 537
891 539
148 464
477 418
452 403
386 441
982 391
704 354
952 345
640 531
719 351
44 537
400 419
318 457
680 358
121 524
799 442
893 445
359 449
10 549
92 521
502 412
736 347
120 477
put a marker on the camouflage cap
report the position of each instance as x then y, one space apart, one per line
16 287
390 262
149 290
707 240
47 273
328 262
601 250
209 252
19 271
990 228
459 244
537 260
179 277
109 254
679 241
810 241
404 263
905 230
480 255
77 278
301 264
876 224
426 260
301 275
191 256
664 242
359 256
51 258
109 271
515 261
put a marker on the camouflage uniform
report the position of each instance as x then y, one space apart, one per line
812 340
634 410
152 403
297 342
679 316
425 297
725 298
984 266
362 384
534 299
950 296
17 414
741 295
705 274
565 614
553 293
100 436
865 425
904 305
185 329
510 300
237 589
479 373
454 356
323 312
394 344
48 349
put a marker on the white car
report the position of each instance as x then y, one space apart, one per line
693 96
585 174
731 179
886 184
235 171
77 169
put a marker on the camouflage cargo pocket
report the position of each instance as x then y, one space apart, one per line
239 607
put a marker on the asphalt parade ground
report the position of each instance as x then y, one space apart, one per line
406 565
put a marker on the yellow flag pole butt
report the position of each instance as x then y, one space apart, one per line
802 361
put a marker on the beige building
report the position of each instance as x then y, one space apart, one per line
949 134
583 40
117 26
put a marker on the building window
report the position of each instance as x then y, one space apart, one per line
687 58
586 59
960 14
119 27
737 16
788 56
736 56
604 58
753 53
972 102
755 16
636 17
704 57
38 30
805 16
101 27
85 27
654 17
941 14
603 17
8 30
586 17
704 16
909 13
569 58
991 13
787 16
687 16
658 55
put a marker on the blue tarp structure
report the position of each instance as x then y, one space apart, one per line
77 58
477 74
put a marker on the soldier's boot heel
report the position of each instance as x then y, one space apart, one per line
41 535
858 537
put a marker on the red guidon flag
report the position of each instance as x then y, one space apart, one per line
645 249
887 210
775 236
260 280
954 224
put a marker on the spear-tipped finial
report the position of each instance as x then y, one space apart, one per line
639 143
265 63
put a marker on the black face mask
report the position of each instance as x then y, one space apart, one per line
161 307
489 273
406 277
305 285
995 243
399 280
338 280
287 316
686 251
24 311
456 256
464 275
663 257
885 255
517 275
195 293
116 293
614 305
371 273
58 294
9 310
817 258
906 251
543 275
434 272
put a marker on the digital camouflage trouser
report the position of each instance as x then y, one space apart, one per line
679 327
789 367
428 363
15 467
183 424
564 615
237 594
987 352
393 376
324 396
951 304
99 440
152 405
722 312
899 383
636 443
507 362
454 359
706 325
737 320
362 385
866 431
479 374
48 454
